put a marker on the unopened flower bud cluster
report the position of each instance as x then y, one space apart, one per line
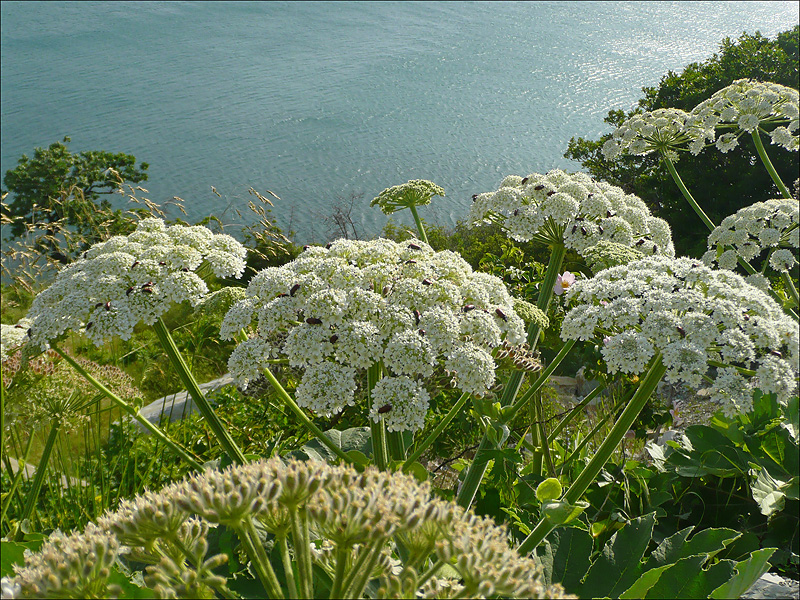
354 515
573 209
691 315
124 281
770 225
356 304
417 192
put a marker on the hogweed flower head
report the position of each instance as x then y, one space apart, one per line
417 192
770 225
573 210
607 254
348 513
13 337
131 279
691 315
664 130
335 312
744 107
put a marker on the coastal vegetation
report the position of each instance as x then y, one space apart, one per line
395 423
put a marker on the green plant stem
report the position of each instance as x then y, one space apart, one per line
38 480
429 573
686 194
362 570
220 431
543 376
377 428
302 549
576 409
396 445
423 236
762 153
646 388
308 423
341 568
536 439
258 558
789 285
288 570
17 477
130 410
437 431
480 463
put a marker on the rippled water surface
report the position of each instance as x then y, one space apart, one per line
320 101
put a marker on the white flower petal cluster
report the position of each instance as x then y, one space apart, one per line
744 106
572 208
356 304
770 225
12 337
691 315
127 280
663 130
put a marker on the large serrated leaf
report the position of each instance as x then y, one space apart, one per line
687 579
747 572
565 556
767 492
709 542
669 550
355 438
618 565
641 586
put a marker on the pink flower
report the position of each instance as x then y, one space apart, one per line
563 282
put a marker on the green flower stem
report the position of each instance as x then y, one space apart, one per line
302 549
341 567
417 220
377 429
17 477
686 194
588 437
38 480
362 570
308 423
2 418
480 463
288 569
220 431
789 285
430 573
646 387
536 438
762 153
131 411
258 558
437 431
543 376
396 445
577 408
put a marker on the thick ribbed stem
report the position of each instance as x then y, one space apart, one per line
603 454
288 569
377 428
258 558
132 412
789 285
686 194
302 549
437 431
220 431
762 153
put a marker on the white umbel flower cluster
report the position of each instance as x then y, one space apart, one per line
574 209
770 225
12 337
127 280
692 315
337 311
743 107
663 130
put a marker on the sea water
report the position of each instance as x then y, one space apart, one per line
321 103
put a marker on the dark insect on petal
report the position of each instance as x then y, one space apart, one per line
776 353
550 193
294 289
128 291
98 305
185 269
107 305
474 197
147 290
162 263
539 187
283 295
89 325
590 196
501 314
30 332
384 409
610 214
574 228
640 242
655 248
516 212
328 245
333 338
18 326
134 264
417 315
385 290
414 247
411 262
468 307
148 284
583 230
601 229
306 247
524 180
427 282
314 321
421 332
682 331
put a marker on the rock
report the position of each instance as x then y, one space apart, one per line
179 405
770 585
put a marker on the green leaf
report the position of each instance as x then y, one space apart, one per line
669 550
767 492
642 585
549 489
747 572
709 542
618 565
686 579
419 472
565 556
129 589
355 438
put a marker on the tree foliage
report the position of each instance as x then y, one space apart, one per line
721 183
58 185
